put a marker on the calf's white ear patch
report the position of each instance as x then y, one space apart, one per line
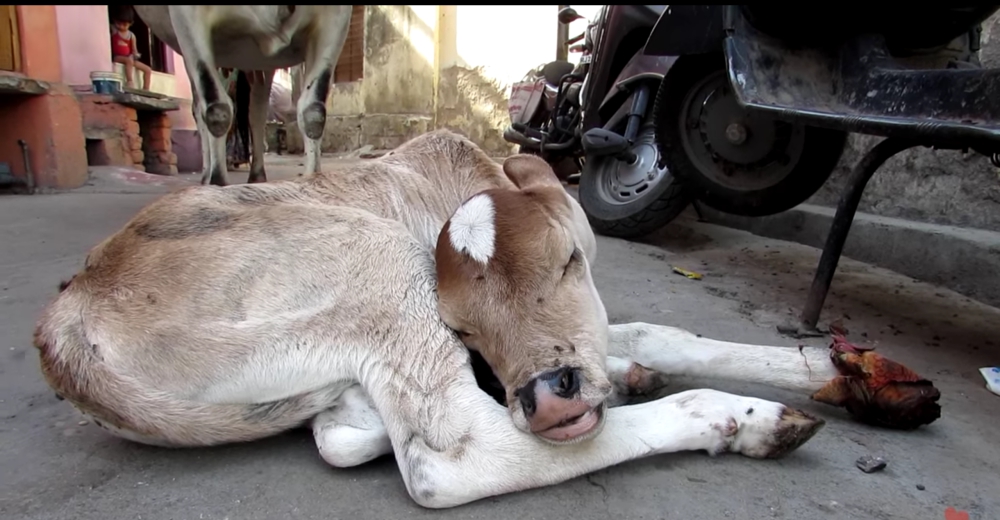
473 228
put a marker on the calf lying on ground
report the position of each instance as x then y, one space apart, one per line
219 315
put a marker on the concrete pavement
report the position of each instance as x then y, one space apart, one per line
52 466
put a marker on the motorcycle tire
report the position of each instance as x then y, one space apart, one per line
726 185
650 209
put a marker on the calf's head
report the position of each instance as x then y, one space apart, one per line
514 280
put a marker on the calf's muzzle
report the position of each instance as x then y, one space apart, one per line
553 406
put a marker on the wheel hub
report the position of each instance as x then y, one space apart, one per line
737 148
630 180
736 133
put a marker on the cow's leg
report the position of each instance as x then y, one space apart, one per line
327 40
214 109
351 433
260 96
675 351
213 155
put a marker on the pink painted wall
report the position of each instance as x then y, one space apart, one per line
85 47
84 41
182 119
183 82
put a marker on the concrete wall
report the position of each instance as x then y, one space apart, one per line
395 100
938 187
437 66
494 46
50 124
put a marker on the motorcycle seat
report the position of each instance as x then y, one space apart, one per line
555 70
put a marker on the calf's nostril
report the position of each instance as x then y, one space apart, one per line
564 382
527 397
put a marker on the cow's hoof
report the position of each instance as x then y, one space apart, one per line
314 120
218 118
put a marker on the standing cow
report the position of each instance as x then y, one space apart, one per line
252 37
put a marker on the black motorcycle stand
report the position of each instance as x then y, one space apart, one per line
841 226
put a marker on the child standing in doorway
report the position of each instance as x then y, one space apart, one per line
123 50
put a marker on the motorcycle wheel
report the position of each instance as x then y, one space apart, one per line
737 161
631 200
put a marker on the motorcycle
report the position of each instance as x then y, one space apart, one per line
595 118
754 113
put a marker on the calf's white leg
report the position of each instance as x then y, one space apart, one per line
454 444
675 351
351 433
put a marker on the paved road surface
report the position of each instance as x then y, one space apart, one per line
54 467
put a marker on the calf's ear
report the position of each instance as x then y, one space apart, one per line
530 171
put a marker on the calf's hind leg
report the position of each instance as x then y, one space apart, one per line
351 433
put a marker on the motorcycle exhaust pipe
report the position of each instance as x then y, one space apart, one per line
513 136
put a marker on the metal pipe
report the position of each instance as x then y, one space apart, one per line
29 176
513 136
846 208
639 102
562 35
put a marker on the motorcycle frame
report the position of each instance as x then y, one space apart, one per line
618 63
617 69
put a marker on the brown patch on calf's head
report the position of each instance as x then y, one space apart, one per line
514 281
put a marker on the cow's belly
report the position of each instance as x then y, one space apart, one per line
244 53
229 48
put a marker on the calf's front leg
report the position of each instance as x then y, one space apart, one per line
677 352
874 389
492 457
454 444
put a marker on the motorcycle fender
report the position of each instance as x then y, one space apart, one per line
525 97
640 68
687 29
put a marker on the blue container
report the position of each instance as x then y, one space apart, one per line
107 83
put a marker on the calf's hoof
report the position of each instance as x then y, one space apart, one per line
753 427
770 438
